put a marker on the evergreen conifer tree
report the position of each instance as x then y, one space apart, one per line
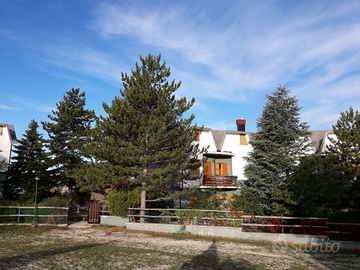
281 140
3 165
30 160
144 140
69 132
315 187
344 153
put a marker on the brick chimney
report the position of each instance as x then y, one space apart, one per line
241 124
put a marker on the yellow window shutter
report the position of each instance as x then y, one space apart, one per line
196 135
243 140
217 168
221 169
224 169
207 168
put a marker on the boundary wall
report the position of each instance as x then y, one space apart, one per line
219 231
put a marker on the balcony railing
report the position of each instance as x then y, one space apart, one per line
220 180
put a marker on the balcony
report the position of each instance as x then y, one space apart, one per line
220 181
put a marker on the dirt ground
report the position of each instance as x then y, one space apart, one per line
118 248
258 255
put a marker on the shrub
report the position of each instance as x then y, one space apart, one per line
237 223
119 200
15 203
56 201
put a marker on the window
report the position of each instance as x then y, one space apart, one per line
243 140
221 169
207 168
1 130
196 135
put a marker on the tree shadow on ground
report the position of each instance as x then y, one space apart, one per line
15 262
210 259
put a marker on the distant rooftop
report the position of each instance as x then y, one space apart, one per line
11 128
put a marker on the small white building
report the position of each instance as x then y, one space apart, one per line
7 139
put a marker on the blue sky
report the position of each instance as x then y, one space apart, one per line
228 55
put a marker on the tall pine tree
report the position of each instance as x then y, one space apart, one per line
281 140
144 140
30 160
344 153
69 132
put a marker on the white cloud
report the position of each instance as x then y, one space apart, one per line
243 58
6 107
324 115
32 104
251 48
84 60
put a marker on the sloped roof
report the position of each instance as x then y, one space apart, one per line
319 137
12 133
220 135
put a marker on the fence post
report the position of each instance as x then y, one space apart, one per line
282 223
168 212
129 213
19 212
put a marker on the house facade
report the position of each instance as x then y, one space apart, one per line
223 163
7 139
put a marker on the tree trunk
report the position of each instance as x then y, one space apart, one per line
143 203
143 196
70 189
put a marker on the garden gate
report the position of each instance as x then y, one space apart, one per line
94 213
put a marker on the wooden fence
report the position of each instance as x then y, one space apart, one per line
220 180
29 215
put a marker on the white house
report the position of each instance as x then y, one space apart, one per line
224 161
7 139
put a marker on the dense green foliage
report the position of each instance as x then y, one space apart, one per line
30 160
143 140
3 165
69 132
247 202
191 215
344 154
282 139
56 201
16 203
119 200
208 199
316 188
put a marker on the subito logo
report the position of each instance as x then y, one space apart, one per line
279 246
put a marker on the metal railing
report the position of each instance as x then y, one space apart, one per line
230 218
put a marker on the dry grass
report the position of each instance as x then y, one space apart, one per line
117 248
